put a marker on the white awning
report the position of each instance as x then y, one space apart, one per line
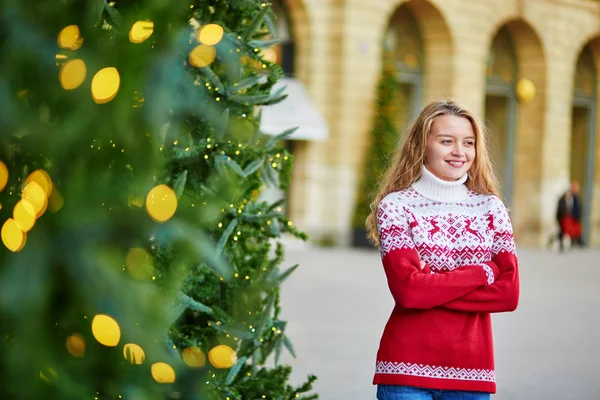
296 110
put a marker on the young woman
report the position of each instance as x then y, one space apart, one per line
449 256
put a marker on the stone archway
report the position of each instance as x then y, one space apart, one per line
438 68
300 35
525 164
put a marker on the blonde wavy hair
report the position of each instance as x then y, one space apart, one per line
408 161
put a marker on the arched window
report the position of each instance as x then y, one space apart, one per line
403 53
583 132
501 109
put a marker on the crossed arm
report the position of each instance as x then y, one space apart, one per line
500 296
489 287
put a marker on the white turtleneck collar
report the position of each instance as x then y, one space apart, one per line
434 188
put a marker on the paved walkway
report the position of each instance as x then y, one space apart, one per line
337 303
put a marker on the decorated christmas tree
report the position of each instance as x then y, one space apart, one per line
139 261
220 166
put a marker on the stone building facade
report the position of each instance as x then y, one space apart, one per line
486 54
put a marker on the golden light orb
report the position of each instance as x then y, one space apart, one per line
56 201
42 178
194 357
163 372
140 31
222 357
134 353
24 215
70 38
76 345
12 236
210 34
139 263
72 74
202 55
105 85
35 195
269 55
161 203
3 176
106 330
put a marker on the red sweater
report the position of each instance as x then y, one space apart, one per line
439 334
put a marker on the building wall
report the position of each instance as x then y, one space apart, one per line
339 57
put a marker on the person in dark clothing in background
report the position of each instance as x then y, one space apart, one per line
568 216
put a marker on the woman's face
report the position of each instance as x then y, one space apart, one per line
450 147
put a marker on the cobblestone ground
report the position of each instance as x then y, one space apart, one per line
337 303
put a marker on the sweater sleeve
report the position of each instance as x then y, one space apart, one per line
411 286
503 294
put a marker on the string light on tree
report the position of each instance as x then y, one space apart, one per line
140 31
42 178
105 85
76 345
12 236
36 196
3 176
222 356
140 264
56 201
72 74
24 215
269 55
134 353
162 372
202 55
161 203
106 330
210 34
70 38
194 357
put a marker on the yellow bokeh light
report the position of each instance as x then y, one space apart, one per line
134 353
140 264
56 201
163 372
194 357
161 203
42 178
70 38
210 34
24 215
35 195
106 330
3 175
141 31
12 236
202 55
76 345
105 85
72 74
222 357
269 55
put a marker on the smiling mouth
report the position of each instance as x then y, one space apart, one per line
456 164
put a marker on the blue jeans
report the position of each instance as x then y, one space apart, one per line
394 392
